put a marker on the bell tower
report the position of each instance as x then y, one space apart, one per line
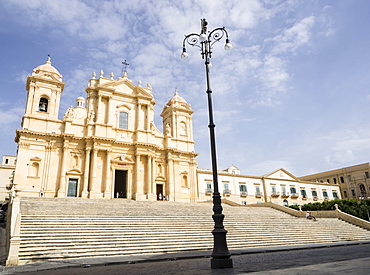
178 124
44 89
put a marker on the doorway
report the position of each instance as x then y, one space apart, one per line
159 192
72 188
120 184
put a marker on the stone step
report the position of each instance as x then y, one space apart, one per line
73 228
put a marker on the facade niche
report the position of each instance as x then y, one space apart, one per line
34 169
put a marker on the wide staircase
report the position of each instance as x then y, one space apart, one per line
60 228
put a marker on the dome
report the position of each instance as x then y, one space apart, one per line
80 102
177 100
47 69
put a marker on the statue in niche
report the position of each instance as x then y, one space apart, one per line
91 116
168 130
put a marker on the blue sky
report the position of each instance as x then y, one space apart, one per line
292 93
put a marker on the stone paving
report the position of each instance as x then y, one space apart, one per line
334 258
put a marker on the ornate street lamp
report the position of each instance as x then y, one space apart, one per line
204 41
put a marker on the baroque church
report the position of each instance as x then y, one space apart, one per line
107 146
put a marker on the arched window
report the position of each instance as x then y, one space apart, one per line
285 202
43 104
123 120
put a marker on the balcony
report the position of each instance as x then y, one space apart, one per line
304 197
243 193
258 194
209 191
315 198
285 195
227 192
326 198
294 195
275 194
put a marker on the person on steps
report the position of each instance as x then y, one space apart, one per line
309 216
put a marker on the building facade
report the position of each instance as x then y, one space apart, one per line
7 169
106 146
279 187
354 181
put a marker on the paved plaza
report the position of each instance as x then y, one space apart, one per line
335 258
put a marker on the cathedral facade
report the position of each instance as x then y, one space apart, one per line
107 146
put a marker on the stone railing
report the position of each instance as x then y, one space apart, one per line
337 213
13 239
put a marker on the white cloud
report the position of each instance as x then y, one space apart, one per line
293 38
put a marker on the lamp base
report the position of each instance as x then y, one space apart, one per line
221 263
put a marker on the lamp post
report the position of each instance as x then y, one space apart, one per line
221 257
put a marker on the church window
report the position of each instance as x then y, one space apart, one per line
43 104
123 120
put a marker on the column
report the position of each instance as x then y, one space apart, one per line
149 183
109 118
62 181
170 188
107 184
93 192
98 115
193 181
86 173
137 191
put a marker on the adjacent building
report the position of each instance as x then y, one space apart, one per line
279 186
7 169
354 181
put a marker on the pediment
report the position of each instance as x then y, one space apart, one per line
123 159
74 171
35 159
281 174
160 179
47 75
